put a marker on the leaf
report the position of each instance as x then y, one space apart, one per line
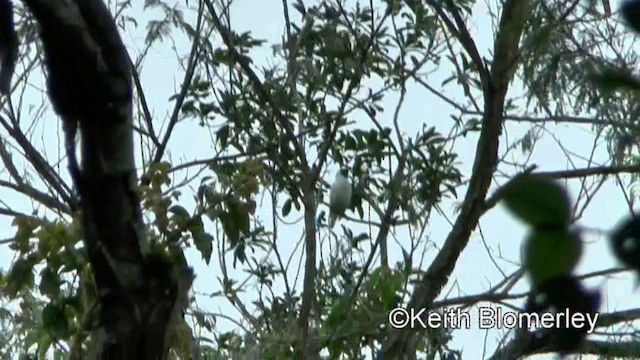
299 6
243 222
359 238
195 224
204 244
49 283
179 211
550 253
538 201
188 106
391 286
286 208
230 228
4 314
24 233
337 315
180 215
239 254
630 11
223 135
408 262
55 320
448 80
44 343
162 168
625 242
349 143
20 276
239 215
612 79
360 210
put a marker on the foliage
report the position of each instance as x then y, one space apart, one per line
334 91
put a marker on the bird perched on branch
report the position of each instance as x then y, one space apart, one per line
339 196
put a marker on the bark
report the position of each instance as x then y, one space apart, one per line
495 82
8 46
89 84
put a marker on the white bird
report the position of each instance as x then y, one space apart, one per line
339 196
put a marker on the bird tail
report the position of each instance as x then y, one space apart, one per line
332 220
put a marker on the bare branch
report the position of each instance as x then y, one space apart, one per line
495 90
186 82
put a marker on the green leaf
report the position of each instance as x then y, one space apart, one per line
179 211
188 106
243 221
204 244
538 201
337 315
195 224
286 208
549 253
49 283
230 228
239 254
239 214
180 216
390 289
24 233
44 343
20 277
349 143
55 321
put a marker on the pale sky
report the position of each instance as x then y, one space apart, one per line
475 271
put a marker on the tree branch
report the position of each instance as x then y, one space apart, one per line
530 343
186 82
495 89
89 84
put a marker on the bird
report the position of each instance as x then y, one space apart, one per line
339 196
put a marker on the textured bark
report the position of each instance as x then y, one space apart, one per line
495 82
89 84
8 46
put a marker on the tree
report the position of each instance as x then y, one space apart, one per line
109 241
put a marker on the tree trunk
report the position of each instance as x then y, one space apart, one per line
89 84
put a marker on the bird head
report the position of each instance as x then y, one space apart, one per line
344 171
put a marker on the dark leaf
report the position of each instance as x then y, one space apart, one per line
180 215
204 244
20 276
239 254
230 228
49 283
538 201
625 242
223 135
612 79
630 11
286 208
55 320
551 253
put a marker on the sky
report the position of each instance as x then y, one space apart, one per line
494 248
